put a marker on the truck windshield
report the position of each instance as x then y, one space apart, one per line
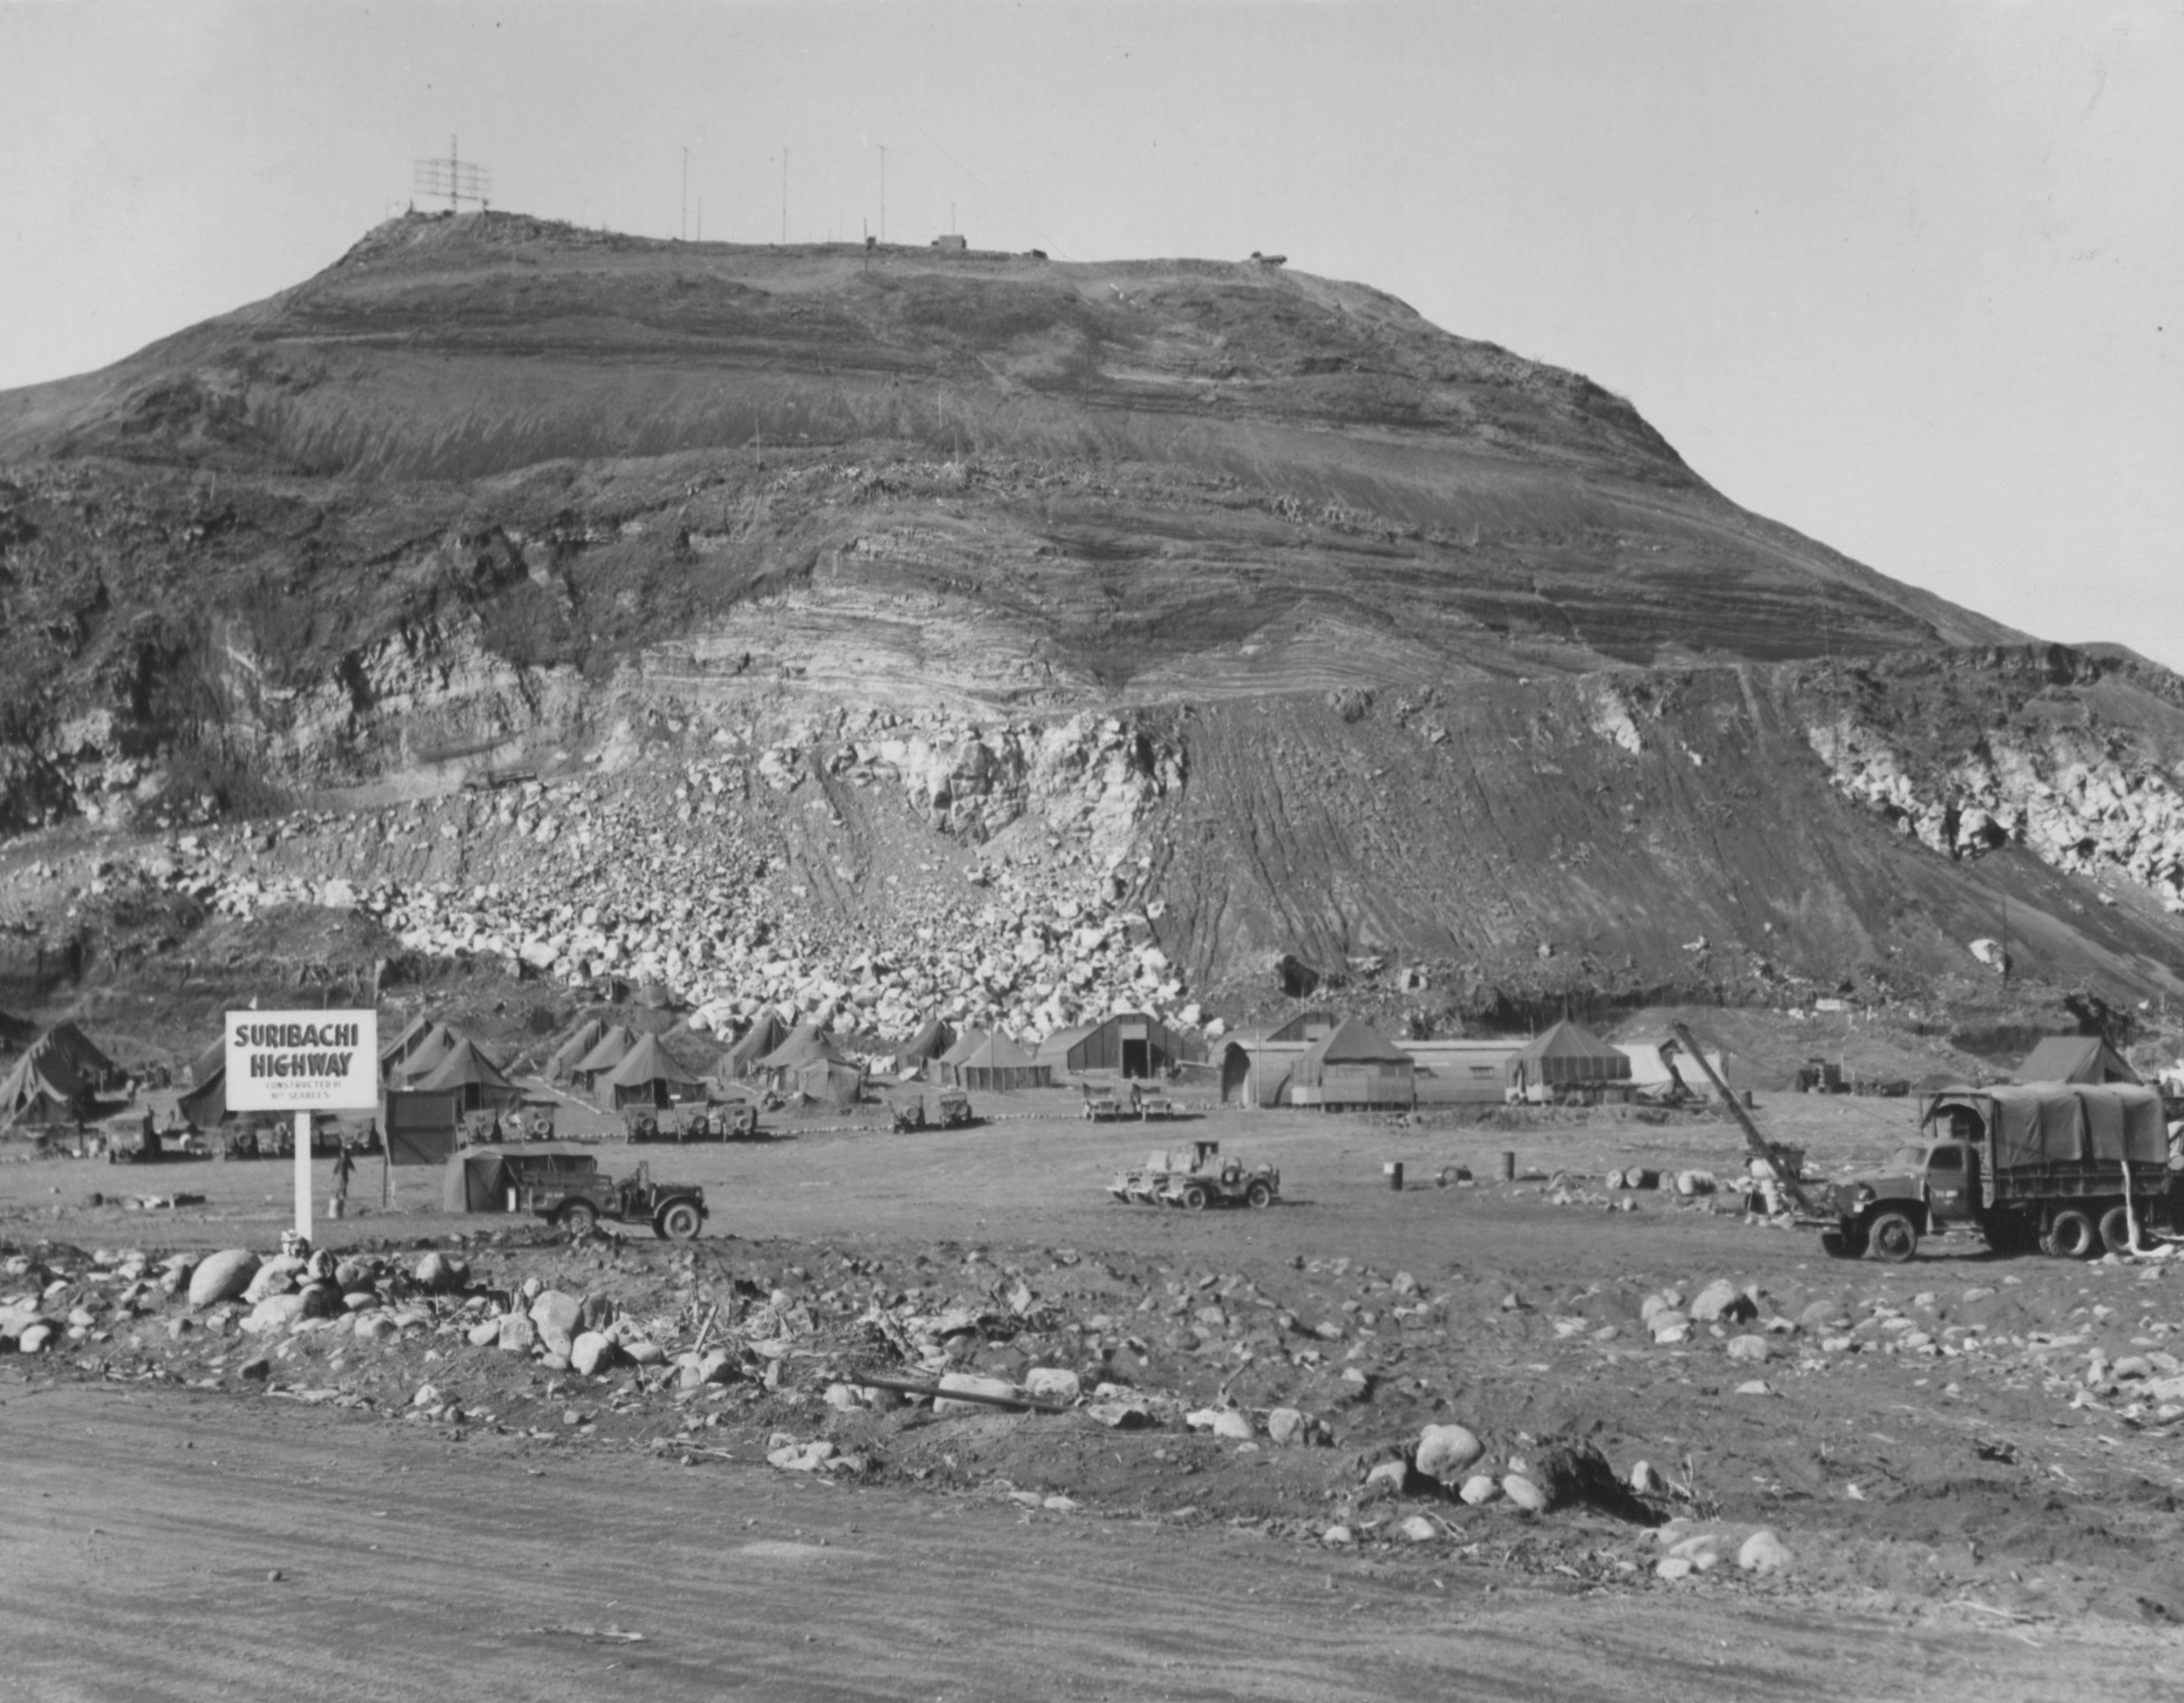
1908 1159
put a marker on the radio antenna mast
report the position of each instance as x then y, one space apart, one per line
454 178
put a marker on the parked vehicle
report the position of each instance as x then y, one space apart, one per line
1197 1178
565 1186
2071 1168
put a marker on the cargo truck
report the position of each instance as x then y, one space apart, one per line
2069 1168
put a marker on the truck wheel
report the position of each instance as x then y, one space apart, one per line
1194 1199
2069 1236
1893 1237
678 1221
1839 1244
1259 1195
579 1217
2116 1230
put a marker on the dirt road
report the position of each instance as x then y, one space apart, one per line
142 1534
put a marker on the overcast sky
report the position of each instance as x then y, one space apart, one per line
1908 275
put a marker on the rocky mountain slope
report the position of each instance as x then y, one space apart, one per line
888 629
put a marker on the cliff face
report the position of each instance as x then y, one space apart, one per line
1067 614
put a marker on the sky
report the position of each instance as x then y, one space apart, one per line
1905 274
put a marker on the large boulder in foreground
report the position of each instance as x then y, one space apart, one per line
222 1277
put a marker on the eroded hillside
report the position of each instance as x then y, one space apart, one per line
1159 623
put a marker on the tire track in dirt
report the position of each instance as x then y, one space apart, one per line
133 1567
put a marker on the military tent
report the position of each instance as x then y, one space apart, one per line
91 1066
1568 1056
2075 1058
563 1060
428 1055
1001 1066
948 1068
610 1049
205 1103
470 1075
397 1053
827 1081
766 1032
1353 1064
930 1042
648 1076
45 1088
807 1042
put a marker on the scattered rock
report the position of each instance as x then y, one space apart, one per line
1447 1452
1287 1428
1478 1489
1750 1348
1763 1552
593 1353
556 1315
972 1383
222 1277
1523 1494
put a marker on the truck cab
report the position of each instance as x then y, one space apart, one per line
1925 1188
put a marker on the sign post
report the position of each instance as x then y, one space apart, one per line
304 1062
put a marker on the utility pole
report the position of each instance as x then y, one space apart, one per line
686 195
882 148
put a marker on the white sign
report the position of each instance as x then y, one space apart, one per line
302 1060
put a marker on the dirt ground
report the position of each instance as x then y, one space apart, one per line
1965 1457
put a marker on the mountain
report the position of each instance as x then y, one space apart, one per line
1241 614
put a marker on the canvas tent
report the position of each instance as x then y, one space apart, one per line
429 1053
829 1081
933 1038
1353 1064
806 1042
45 1088
610 1049
766 1032
1568 1056
2075 1058
563 1060
648 1076
470 1074
205 1105
948 1068
1001 1066
92 1067
397 1053
419 1129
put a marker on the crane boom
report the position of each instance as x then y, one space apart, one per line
1786 1172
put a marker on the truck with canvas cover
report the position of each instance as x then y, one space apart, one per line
2071 1168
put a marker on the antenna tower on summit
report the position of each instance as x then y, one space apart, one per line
455 178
